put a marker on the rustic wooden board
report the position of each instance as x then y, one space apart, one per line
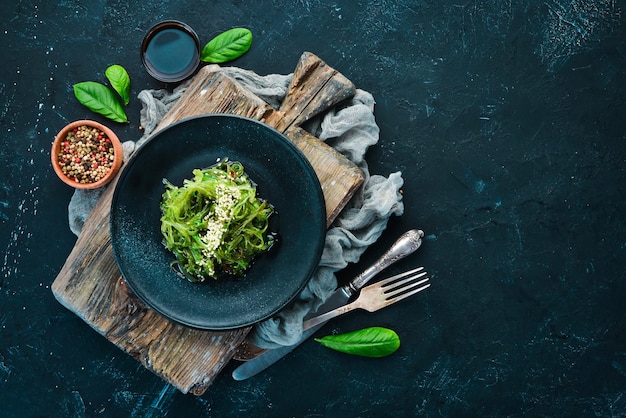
90 284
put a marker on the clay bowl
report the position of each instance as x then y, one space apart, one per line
100 169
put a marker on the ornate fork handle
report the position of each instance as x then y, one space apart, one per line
405 245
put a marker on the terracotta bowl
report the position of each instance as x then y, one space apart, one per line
91 162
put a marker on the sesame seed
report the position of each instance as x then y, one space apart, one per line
217 221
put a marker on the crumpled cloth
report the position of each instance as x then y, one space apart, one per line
351 129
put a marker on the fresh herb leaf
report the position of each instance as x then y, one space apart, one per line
120 81
367 342
227 46
100 99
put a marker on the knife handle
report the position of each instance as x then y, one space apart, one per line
407 244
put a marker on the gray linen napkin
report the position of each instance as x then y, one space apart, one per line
351 129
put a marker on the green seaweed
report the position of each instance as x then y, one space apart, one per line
189 213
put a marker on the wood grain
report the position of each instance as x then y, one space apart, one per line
90 283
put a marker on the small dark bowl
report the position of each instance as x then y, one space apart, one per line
170 51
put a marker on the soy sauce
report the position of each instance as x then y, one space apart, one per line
170 51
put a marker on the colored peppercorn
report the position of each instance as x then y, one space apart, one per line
86 155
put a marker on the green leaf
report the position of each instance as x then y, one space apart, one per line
227 46
100 99
368 342
120 81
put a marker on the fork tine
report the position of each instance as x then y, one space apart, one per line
394 280
403 286
401 275
406 295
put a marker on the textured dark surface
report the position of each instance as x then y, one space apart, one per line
507 120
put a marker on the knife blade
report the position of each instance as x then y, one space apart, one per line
407 244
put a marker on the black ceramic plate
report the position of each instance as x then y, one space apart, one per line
283 176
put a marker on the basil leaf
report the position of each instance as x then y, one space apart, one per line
120 81
367 342
100 99
227 46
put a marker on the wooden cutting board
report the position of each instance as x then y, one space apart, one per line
90 283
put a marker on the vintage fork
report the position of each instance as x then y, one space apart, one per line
377 296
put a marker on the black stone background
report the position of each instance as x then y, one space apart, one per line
507 120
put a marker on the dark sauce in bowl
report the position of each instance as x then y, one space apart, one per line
170 51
